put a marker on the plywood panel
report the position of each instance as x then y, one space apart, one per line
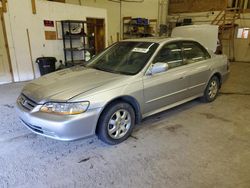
187 6
50 35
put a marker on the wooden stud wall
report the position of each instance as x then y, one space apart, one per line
189 6
6 41
4 8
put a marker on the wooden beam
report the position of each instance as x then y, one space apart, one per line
4 7
33 4
249 38
60 1
185 6
6 44
236 4
241 4
30 51
245 4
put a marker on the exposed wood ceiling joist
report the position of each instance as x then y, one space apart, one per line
4 7
189 6
33 3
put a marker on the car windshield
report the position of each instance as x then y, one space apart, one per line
124 57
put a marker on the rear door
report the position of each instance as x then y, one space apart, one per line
198 65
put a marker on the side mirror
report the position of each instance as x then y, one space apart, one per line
159 67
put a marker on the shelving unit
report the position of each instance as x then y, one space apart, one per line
135 29
76 42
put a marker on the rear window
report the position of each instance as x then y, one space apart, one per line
194 52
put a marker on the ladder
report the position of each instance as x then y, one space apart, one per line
226 21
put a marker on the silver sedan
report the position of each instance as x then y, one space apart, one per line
115 90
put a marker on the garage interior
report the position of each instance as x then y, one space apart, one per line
193 145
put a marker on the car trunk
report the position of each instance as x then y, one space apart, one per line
207 35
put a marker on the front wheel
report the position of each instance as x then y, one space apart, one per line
212 89
116 123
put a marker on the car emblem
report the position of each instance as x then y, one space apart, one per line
23 101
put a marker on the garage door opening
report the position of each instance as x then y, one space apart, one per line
5 67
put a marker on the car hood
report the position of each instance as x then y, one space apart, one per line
68 83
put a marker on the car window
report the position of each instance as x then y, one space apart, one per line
126 57
194 52
170 54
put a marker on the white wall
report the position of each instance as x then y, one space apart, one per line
19 17
147 9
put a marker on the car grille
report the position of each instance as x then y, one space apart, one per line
26 102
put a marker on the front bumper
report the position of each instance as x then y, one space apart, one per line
225 77
59 127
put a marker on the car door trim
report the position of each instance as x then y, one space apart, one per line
198 85
168 95
170 106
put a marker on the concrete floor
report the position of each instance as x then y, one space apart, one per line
193 145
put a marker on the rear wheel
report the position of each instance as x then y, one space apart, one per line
212 89
116 123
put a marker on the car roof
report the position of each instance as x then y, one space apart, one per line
158 39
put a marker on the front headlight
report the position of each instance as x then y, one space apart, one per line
65 108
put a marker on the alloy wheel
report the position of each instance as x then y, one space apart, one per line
213 89
119 124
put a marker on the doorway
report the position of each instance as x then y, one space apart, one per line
96 28
5 68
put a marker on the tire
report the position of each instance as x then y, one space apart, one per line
212 90
116 123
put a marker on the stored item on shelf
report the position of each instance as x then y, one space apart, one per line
141 29
138 27
140 21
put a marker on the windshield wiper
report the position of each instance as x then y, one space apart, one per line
106 70
112 71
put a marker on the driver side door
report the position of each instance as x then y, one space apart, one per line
165 88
